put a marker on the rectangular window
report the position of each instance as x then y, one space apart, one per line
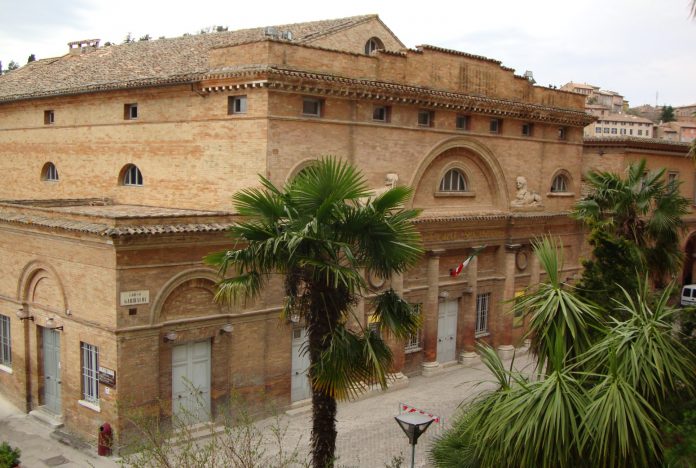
630 131
49 117
381 113
312 106
598 129
606 129
5 341
90 373
463 122
640 132
482 304
413 342
425 118
236 105
527 129
672 177
623 131
613 131
130 111
562 133
496 126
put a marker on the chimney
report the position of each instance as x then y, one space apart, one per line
83 46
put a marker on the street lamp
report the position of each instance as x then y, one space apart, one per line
413 425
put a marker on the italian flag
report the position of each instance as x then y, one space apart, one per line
454 272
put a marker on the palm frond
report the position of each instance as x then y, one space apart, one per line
395 315
620 424
234 290
350 362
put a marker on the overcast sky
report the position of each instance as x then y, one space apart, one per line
638 48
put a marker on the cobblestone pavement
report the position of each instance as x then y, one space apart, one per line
38 448
368 435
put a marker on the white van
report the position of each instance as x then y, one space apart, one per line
688 295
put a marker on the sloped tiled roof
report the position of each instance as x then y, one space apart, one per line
624 118
143 63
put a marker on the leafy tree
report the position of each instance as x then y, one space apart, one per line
642 208
146 37
32 58
613 267
320 231
667 114
600 407
12 66
129 38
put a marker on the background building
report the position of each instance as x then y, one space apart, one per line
619 125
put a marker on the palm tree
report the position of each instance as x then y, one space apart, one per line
321 231
642 208
596 404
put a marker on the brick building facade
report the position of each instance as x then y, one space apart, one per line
122 161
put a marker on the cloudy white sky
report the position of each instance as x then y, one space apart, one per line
644 49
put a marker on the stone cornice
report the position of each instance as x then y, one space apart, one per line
448 218
638 143
299 81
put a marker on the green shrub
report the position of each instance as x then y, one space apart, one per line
9 457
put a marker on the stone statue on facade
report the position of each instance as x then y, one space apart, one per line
525 197
390 181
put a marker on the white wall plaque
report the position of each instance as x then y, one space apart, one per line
129 298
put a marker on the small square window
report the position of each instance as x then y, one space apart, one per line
425 118
527 129
312 106
640 132
672 177
130 111
381 113
236 105
49 117
598 129
562 133
496 126
613 132
463 122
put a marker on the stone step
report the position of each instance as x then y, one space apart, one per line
47 418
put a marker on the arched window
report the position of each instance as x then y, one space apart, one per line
49 172
560 184
453 181
132 175
372 44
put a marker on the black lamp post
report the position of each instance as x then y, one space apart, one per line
414 425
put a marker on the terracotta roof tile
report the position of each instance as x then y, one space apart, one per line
161 61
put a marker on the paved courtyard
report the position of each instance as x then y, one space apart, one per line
368 436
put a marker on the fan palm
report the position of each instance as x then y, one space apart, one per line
321 231
641 208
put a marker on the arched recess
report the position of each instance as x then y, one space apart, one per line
297 168
36 274
689 268
198 278
477 153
